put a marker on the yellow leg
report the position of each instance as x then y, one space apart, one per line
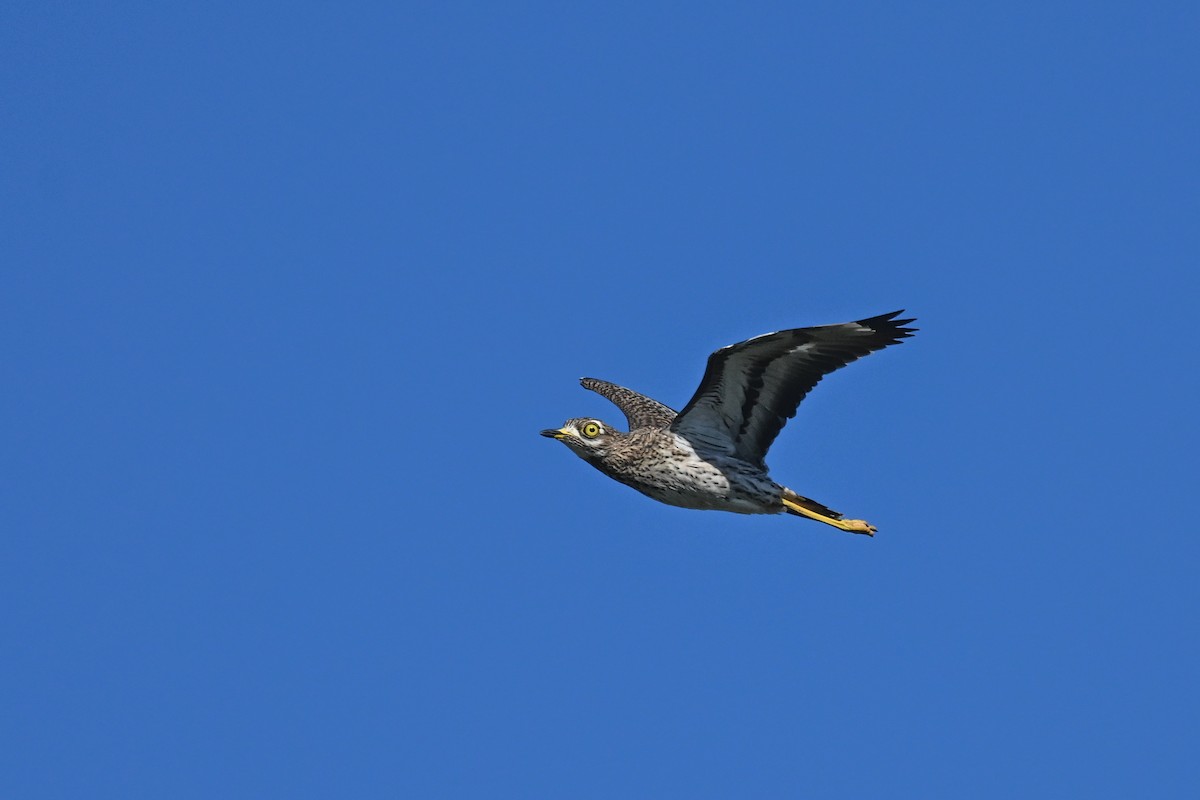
851 525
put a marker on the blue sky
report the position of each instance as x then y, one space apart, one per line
288 291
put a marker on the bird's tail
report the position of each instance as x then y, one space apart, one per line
811 505
803 507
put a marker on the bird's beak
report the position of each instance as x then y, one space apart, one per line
555 433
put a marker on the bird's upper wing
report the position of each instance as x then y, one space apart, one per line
751 389
640 411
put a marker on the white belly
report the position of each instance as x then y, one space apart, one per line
689 481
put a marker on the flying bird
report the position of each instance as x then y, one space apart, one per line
711 454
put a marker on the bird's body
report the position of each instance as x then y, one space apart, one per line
711 455
666 467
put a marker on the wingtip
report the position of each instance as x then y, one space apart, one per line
889 324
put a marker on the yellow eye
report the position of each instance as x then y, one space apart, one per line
590 430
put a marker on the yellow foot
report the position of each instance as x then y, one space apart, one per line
850 525
856 526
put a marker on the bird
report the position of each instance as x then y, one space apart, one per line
711 455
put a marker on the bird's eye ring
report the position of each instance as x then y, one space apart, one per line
590 430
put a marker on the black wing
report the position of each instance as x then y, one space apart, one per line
751 389
640 411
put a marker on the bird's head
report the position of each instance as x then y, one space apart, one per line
589 438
